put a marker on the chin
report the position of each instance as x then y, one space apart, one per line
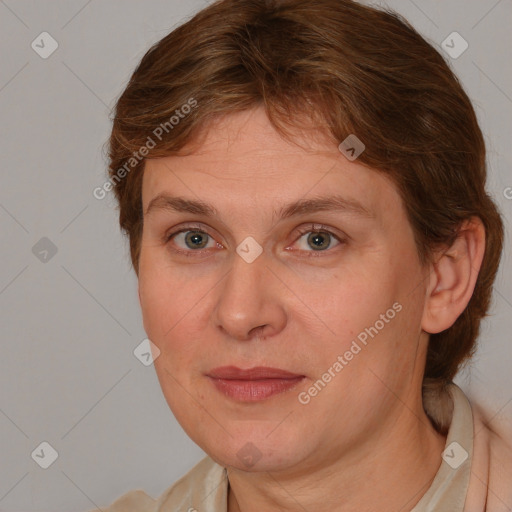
254 452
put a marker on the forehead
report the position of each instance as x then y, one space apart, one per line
251 131
242 158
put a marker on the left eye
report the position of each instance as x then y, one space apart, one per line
318 240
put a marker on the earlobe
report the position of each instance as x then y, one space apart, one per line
453 277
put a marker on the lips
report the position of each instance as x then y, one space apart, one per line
256 373
253 384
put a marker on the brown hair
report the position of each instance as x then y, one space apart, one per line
349 68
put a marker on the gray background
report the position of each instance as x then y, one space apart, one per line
69 324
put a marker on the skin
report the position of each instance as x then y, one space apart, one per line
364 442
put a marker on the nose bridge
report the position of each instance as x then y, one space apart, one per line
248 298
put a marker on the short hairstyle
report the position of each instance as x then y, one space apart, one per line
348 69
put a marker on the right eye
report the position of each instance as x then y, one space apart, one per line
191 240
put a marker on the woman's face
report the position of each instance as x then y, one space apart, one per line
340 309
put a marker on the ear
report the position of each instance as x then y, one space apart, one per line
453 276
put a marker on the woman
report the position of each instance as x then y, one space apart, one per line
303 186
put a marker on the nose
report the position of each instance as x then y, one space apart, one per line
250 301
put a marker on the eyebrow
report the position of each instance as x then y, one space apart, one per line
336 203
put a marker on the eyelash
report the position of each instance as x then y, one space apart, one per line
311 228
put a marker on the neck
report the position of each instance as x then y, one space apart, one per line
390 472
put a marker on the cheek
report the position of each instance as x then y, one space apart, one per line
369 311
175 317
353 298
167 296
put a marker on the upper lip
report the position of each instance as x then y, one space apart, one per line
255 373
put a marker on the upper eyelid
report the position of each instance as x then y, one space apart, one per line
186 227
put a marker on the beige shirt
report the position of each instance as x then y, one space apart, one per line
475 475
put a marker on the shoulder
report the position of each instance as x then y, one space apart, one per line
194 487
492 466
499 436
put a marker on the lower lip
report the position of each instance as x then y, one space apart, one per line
254 390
